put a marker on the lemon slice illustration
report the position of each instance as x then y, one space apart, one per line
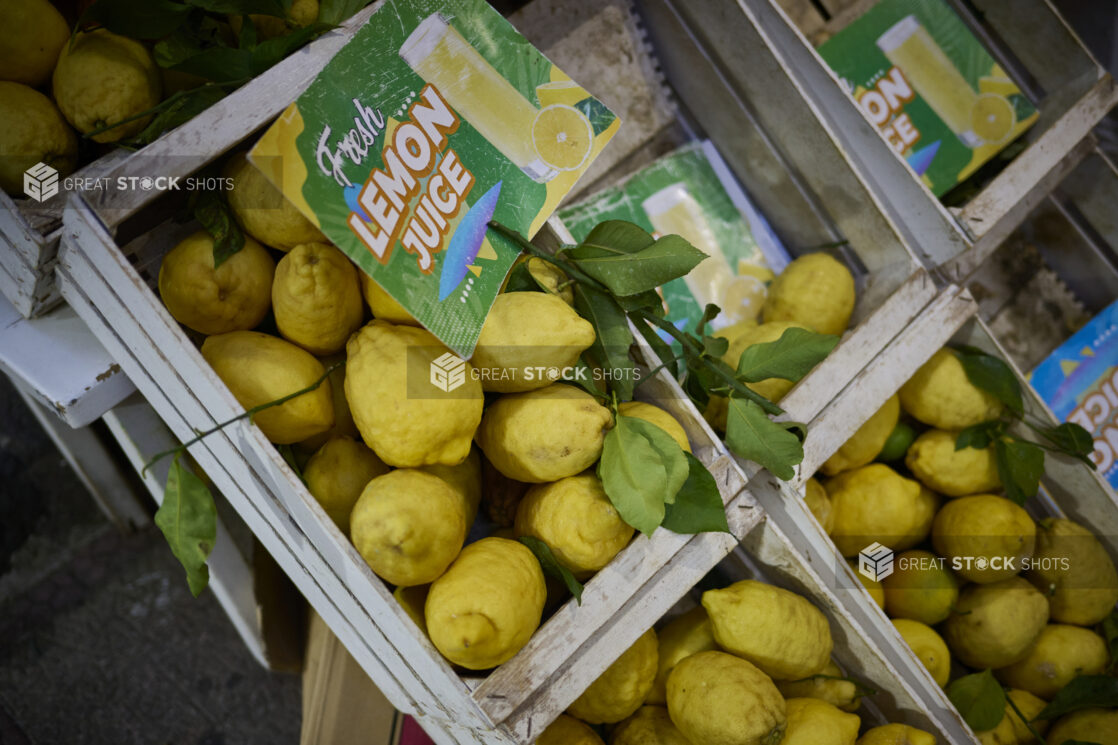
992 118
562 137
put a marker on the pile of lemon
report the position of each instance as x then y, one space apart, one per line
978 583
750 666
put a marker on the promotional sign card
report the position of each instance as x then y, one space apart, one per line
433 120
682 193
929 85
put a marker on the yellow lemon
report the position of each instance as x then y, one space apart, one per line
1086 725
301 13
778 631
815 290
102 78
408 525
689 634
31 37
923 516
815 722
620 690
544 435
896 734
933 459
527 336
1030 706
716 698
941 395
566 730
233 297
32 131
651 725
263 211
466 478
815 496
551 278
259 368
412 599
867 442
921 588
575 518
383 306
343 420
1074 572
316 298
928 646
874 504
337 474
487 605
662 419
993 625
1003 734
1060 653
825 686
562 136
987 538
405 419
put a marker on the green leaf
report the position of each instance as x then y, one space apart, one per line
671 454
790 357
633 476
710 312
662 349
650 301
752 435
715 346
612 237
268 53
1110 630
139 19
980 699
625 273
179 111
992 375
698 506
288 454
336 11
188 519
1083 692
1020 466
246 37
243 7
220 64
980 436
551 565
213 212
1071 439
610 350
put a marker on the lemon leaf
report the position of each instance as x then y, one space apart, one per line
698 506
752 435
243 7
139 19
633 475
790 357
612 237
213 212
631 273
1083 692
979 698
671 454
1020 466
267 53
980 436
220 64
336 11
551 565
188 520
1072 439
991 375
610 350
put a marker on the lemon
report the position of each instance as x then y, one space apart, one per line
928 646
689 634
566 730
940 395
815 722
263 211
551 278
316 298
32 131
815 290
233 297
1003 734
716 698
921 588
1098 726
337 474
408 525
258 369
1030 706
900 440
405 420
873 503
896 734
987 538
31 37
544 435
301 13
924 514
1074 572
662 419
383 305
102 78
651 725
993 625
575 518
412 599
464 477
1060 653
620 690
487 605
562 136
992 118
778 631
343 420
873 587
526 331
824 686
815 496
934 460
867 442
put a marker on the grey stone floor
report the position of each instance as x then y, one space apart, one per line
100 640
